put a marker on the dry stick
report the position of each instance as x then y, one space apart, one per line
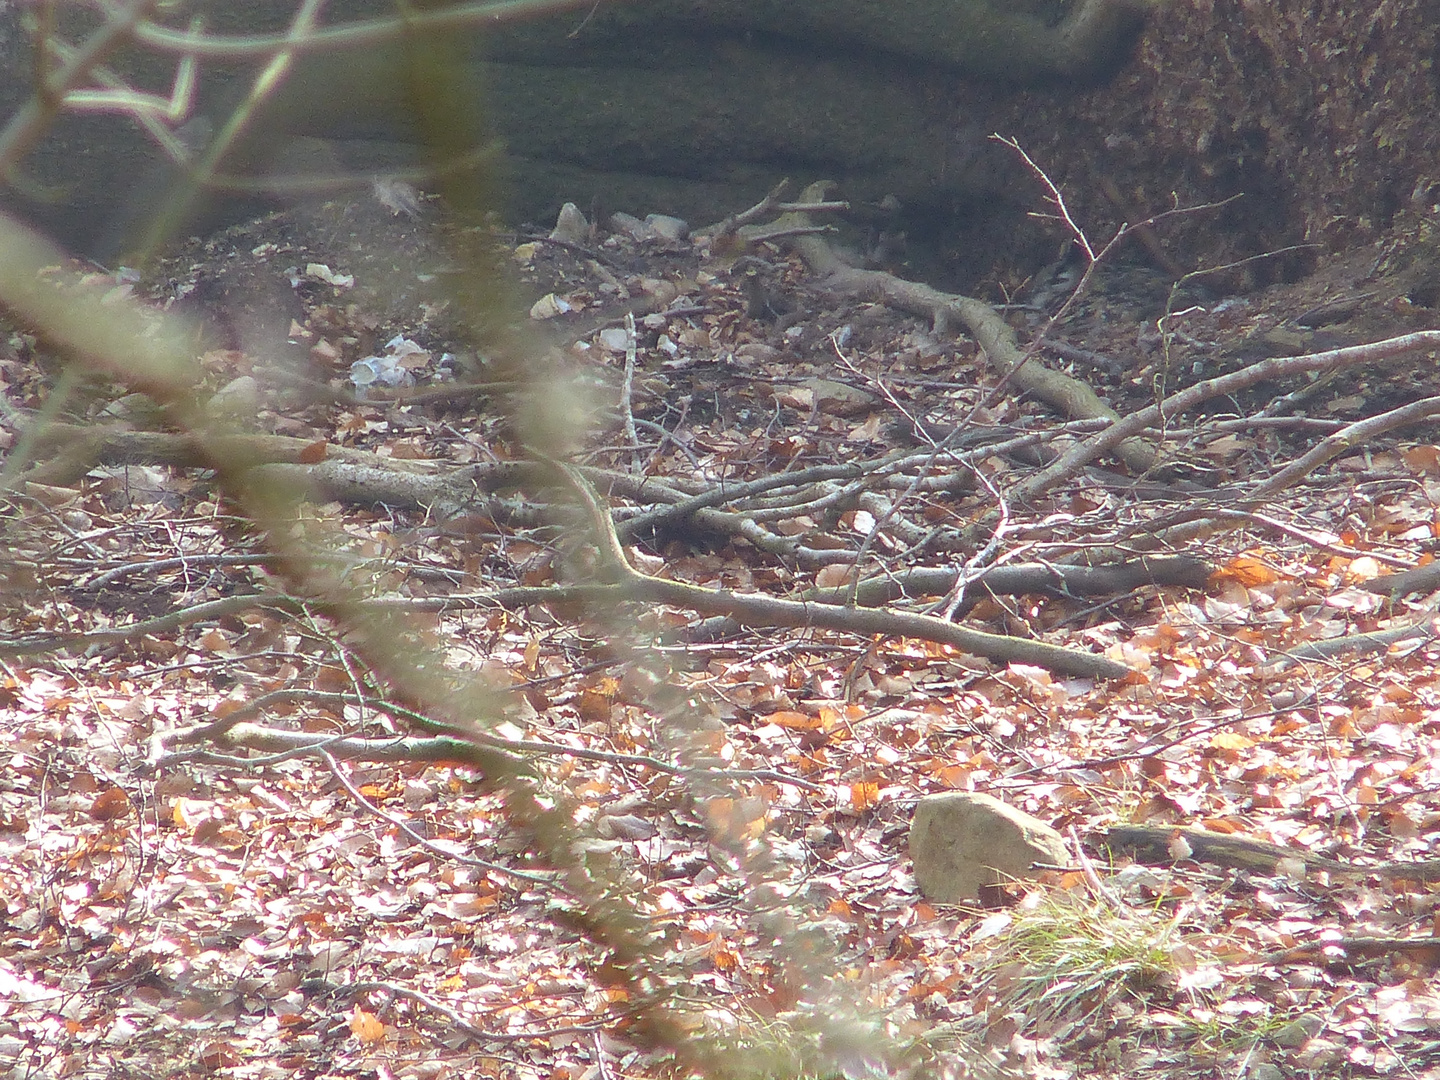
1319 543
772 203
1419 629
285 745
1345 439
991 332
213 609
211 730
1080 455
357 34
627 387
155 566
197 179
477 1033
769 611
608 757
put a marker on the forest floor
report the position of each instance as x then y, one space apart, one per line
185 893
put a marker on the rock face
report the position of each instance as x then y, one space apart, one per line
678 106
960 841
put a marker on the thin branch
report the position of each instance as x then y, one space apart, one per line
404 827
758 610
1087 450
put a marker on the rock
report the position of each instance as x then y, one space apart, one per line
549 306
136 410
571 225
840 399
690 109
632 227
960 841
668 227
239 397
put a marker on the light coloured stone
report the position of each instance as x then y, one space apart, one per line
670 228
571 225
960 841
238 397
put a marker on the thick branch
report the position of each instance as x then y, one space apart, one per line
994 335
769 611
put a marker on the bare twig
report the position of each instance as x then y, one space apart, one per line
770 611
1086 451
1345 439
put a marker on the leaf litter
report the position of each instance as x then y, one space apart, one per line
330 917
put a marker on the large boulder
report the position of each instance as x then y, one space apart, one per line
691 107
961 842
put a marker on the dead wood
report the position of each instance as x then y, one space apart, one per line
1347 438
1422 579
994 335
1151 843
1417 630
1087 450
1342 949
1020 578
125 446
755 610
173 620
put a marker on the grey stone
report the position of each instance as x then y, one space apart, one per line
670 228
960 841
840 399
571 225
238 397
632 227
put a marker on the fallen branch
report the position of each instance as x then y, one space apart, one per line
1418 630
1152 843
755 610
1087 450
1342 949
1019 578
1347 438
213 609
994 335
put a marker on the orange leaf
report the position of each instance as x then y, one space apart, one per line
187 813
110 804
1423 459
366 1026
1220 825
723 957
796 721
1247 570
1230 740
313 454
864 796
593 708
